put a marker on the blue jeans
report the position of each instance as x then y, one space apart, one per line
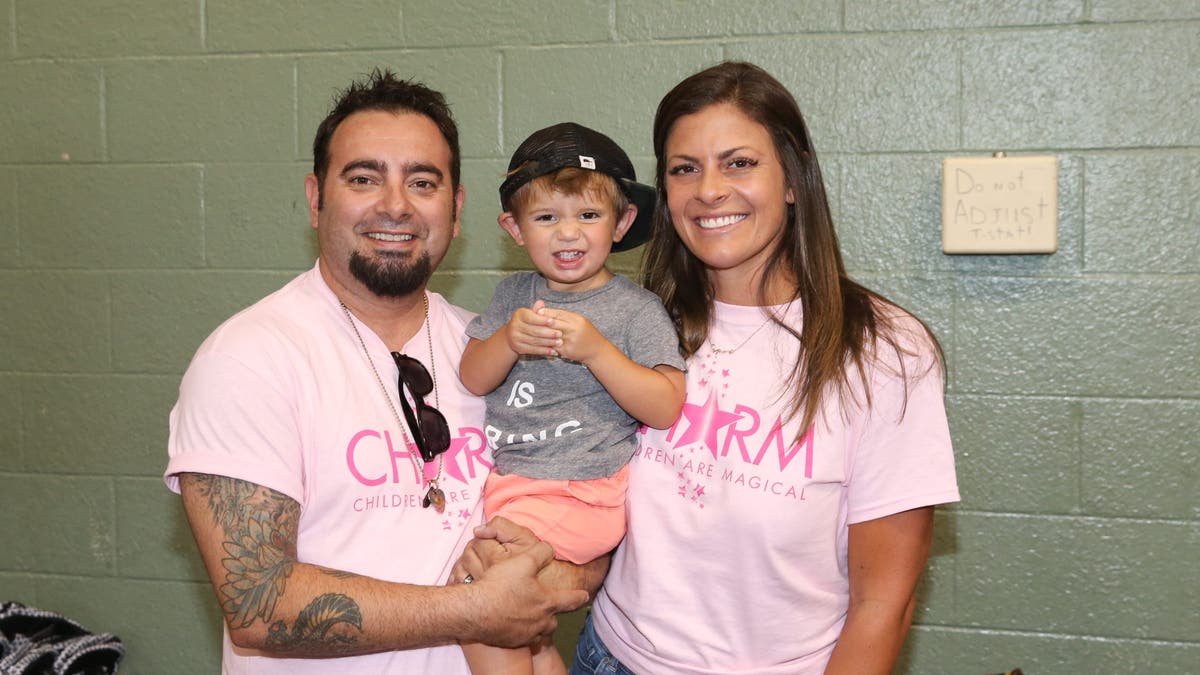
592 657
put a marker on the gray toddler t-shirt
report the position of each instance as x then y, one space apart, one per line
551 418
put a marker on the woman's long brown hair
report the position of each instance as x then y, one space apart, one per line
843 323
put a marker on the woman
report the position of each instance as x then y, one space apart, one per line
781 525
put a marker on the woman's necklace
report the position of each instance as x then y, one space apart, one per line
717 350
434 495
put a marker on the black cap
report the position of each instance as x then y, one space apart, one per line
567 145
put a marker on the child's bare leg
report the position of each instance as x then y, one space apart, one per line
541 659
546 659
488 660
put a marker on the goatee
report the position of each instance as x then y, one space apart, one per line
389 275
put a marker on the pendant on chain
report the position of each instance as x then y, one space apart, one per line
434 497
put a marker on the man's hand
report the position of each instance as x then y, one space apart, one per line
494 542
501 539
513 608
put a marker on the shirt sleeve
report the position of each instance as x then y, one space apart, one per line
652 339
902 457
231 420
498 311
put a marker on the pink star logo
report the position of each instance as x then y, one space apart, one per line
456 451
704 421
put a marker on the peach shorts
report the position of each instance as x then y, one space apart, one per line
581 519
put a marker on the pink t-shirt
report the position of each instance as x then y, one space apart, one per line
735 557
281 395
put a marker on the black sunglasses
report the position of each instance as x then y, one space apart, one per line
428 424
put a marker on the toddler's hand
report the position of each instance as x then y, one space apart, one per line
531 331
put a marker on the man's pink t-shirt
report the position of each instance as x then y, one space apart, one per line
735 556
281 395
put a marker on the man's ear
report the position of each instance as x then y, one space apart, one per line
625 223
312 190
508 223
460 198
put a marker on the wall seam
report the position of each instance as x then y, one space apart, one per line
12 28
103 84
203 8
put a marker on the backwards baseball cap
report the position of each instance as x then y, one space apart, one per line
568 145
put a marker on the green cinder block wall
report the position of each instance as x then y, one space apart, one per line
152 154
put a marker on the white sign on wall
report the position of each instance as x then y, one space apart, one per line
1000 204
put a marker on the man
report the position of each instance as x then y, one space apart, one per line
328 502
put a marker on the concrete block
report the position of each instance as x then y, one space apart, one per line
935 590
10 255
570 625
482 22
57 524
256 217
1077 576
1127 337
19 586
8 47
543 87
295 25
223 110
166 626
97 424
930 299
628 263
1149 473
1149 10
11 409
808 67
1141 213
470 290
897 92
107 28
55 322
639 20
160 318
881 15
482 245
1067 260
104 216
868 93
932 649
1113 86
469 79
1016 454
891 206
154 540
50 112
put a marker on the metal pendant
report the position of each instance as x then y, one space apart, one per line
434 497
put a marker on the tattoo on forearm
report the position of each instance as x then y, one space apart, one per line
260 525
319 626
339 574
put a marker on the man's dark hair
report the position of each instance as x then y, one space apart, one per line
383 90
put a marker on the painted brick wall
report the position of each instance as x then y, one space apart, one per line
151 162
